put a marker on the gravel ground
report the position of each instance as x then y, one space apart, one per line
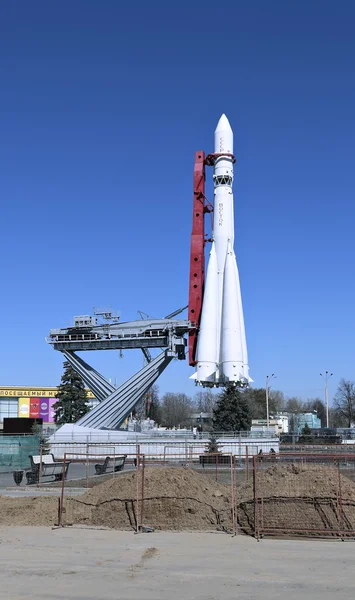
83 564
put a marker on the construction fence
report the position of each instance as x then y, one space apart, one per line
149 494
262 495
301 494
259 493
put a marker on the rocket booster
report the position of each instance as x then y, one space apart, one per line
221 345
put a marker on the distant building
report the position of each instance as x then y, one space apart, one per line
35 402
277 424
307 418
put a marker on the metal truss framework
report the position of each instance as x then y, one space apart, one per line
117 403
115 407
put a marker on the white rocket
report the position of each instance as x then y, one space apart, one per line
221 355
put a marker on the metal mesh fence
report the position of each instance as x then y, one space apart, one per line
151 492
259 494
15 451
300 494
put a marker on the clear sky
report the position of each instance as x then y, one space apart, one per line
102 107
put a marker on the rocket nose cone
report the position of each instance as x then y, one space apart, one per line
223 124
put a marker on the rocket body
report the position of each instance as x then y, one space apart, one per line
221 345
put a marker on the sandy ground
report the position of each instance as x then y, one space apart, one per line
73 564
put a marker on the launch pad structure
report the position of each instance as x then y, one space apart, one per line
169 334
115 404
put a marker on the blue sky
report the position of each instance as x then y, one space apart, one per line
102 107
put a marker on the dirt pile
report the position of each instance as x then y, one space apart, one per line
295 497
300 481
174 498
28 511
291 498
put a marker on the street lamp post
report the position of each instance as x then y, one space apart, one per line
326 377
268 379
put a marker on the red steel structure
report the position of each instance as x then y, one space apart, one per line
201 206
197 251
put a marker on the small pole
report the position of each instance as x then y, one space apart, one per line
235 495
340 500
62 493
326 378
142 505
216 458
137 487
246 463
87 465
267 387
256 516
233 492
40 464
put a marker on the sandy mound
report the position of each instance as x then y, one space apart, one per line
28 511
299 481
174 498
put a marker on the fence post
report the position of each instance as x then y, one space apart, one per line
40 464
255 490
246 463
240 447
87 466
62 493
137 487
142 504
340 500
233 495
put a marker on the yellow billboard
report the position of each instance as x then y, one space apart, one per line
23 407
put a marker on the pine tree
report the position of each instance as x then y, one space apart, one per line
72 400
232 411
44 443
306 430
212 446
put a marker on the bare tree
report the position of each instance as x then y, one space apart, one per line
276 400
148 406
256 399
294 405
344 401
154 407
175 409
205 401
335 419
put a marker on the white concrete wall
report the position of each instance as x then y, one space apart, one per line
182 447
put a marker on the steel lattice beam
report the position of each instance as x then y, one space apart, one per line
113 411
99 386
